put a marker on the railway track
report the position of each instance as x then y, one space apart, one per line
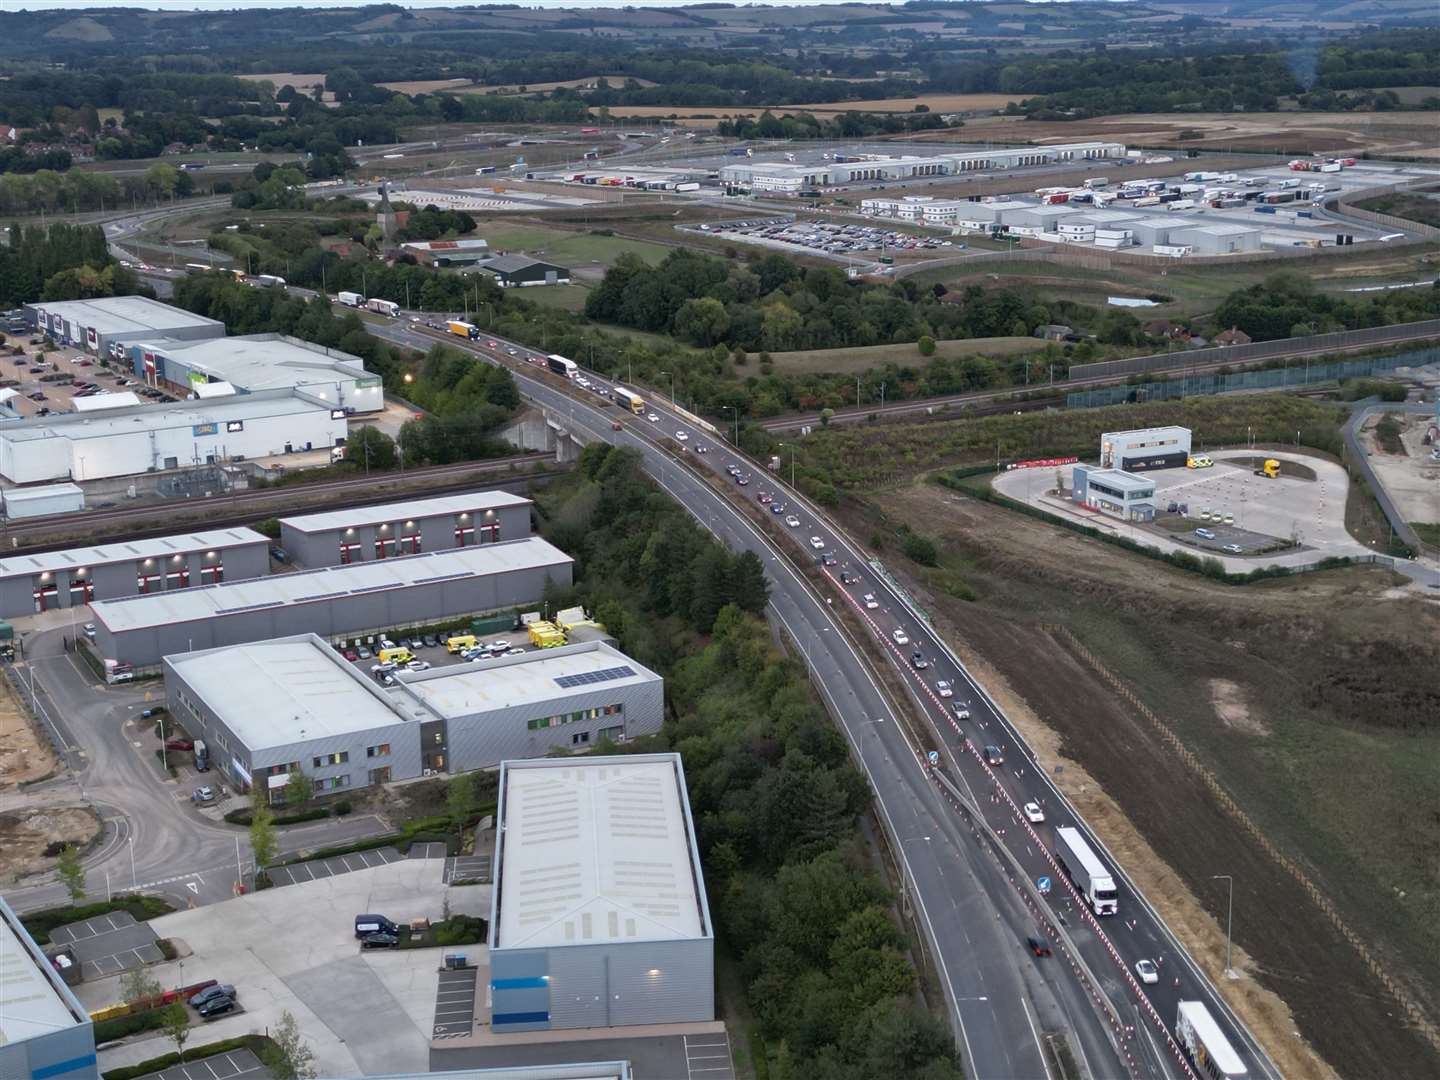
118 524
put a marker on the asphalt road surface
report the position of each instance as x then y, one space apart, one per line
1001 999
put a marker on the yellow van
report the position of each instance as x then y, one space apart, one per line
1200 462
397 655
460 643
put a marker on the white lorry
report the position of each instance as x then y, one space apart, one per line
1086 871
350 299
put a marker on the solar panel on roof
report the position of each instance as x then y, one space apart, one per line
566 682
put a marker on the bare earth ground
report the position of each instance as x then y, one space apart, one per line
25 834
1320 664
1412 479
24 756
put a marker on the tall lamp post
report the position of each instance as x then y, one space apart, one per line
1229 919
736 410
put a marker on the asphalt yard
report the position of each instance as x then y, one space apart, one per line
109 944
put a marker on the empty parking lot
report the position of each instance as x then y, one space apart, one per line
318 869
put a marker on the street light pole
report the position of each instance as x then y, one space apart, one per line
1229 919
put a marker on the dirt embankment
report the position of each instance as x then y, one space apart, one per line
1260 683
24 755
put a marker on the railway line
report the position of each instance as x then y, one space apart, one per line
118 524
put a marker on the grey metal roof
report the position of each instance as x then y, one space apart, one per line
33 1002
410 509
265 361
126 315
510 264
278 590
127 551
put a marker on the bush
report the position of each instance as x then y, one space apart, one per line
342 808
270 527
166 947
460 930
919 548
244 816
141 908
120 1026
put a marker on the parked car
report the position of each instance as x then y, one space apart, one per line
179 744
203 794
362 652
153 711
216 1006
278 554
380 940
430 641
351 655
1205 534
210 993
90 630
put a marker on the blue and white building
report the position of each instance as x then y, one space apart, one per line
45 1033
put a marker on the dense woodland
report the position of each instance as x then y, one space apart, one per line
798 907
61 262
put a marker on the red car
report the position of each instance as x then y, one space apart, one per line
351 655
179 744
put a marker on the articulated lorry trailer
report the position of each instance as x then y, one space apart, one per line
1087 871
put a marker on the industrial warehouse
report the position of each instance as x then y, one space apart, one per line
219 367
598 915
78 576
306 709
140 438
101 324
1145 448
44 1031
340 537
332 601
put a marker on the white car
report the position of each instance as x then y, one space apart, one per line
701 448
498 646
792 521
871 602
816 543
901 638
418 665
961 712
1148 972
943 688
682 436
654 418
1033 813
514 652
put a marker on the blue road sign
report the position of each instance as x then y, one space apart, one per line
1043 884
934 757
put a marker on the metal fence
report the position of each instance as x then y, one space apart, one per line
1260 350
1302 373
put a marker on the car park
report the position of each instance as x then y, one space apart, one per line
792 521
1147 972
870 602
901 638
1033 813
944 689
816 543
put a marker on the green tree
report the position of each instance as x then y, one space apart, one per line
287 1056
460 798
176 1022
703 321
139 987
299 789
72 874
926 345
264 844
161 179
749 589
371 448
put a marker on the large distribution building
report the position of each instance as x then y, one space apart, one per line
1145 448
335 601
75 577
219 367
148 438
101 324
306 709
339 537
598 917
45 1033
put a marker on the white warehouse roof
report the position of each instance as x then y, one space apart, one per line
295 689
1121 479
412 509
324 583
156 548
467 689
596 851
180 414
31 1004
125 315
265 361
120 399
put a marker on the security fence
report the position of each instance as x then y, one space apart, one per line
1301 373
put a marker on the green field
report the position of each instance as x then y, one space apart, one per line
863 358
566 297
570 249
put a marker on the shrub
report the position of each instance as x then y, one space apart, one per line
254 1043
270 527
120 1026
919 548
342 808
166 947
460 930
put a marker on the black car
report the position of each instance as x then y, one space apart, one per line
380 940
215 1006
1038 946
847 578
828 558
210 993
918 661
278 554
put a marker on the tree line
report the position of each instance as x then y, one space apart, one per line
1288 305
775 799
61 262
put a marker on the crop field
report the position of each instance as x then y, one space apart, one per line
302 82
861 359
464 86
827 110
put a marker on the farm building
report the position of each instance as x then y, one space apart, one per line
518 271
